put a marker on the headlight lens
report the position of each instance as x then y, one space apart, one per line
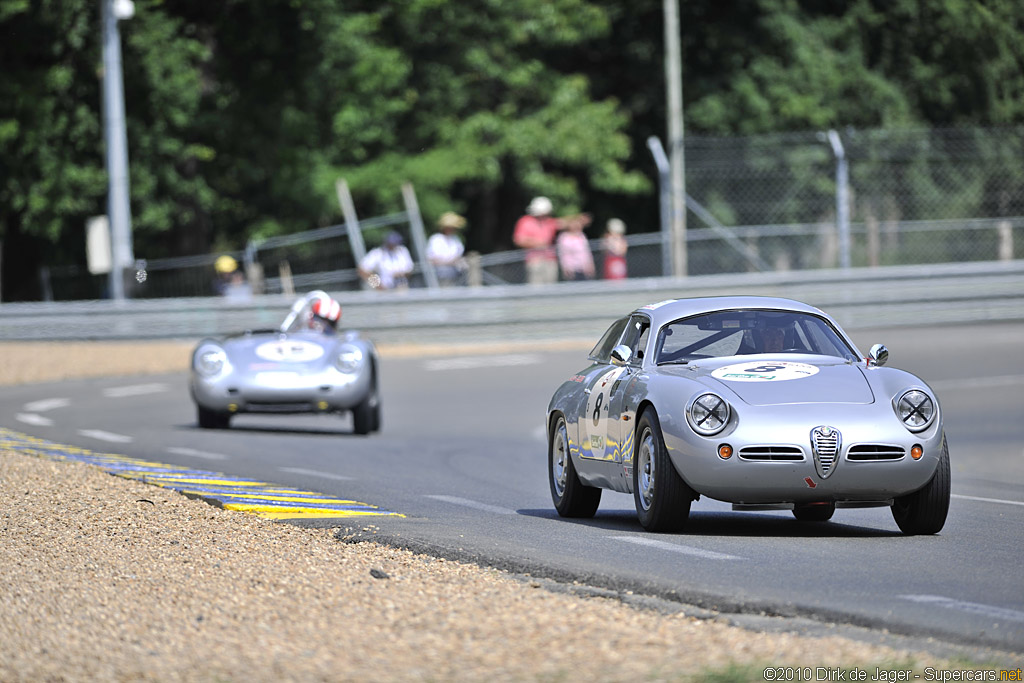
915 409
708 414
350 357
211 361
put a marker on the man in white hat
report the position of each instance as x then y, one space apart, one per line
445 249
536 232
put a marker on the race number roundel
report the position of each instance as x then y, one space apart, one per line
769 371
594 423
289 351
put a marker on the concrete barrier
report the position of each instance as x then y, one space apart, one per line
858 298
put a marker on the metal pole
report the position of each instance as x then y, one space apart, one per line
118 207
842 198
419 238
664 202
348 209
674 81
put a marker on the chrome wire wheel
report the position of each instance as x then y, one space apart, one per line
645 469
559 458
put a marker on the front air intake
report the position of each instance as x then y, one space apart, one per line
825 443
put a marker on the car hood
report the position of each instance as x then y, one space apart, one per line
778 380
278 351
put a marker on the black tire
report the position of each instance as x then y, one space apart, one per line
661 496
211 419
572 498
814 512
924 511
366 415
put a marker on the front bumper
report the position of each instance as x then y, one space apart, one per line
281 392
773 459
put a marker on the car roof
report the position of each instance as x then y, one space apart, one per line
673 309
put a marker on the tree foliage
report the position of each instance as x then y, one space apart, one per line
241 116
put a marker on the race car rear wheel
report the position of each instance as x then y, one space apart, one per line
814 512
572 497
924 511
211 419
661 496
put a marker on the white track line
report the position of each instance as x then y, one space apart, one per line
675 548
33 419
972 607
134 390
105 436
193 453
466 502
46 404
471 362
987 500
315 473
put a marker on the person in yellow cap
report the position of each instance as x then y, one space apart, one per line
445 250
230 282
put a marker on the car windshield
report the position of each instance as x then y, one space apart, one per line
743 332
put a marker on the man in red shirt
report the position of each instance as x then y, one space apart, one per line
535 232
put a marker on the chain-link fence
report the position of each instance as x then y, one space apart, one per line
760 203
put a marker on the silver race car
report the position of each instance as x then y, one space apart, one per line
761 402
304 366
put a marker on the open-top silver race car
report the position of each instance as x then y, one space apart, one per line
761 402
304 366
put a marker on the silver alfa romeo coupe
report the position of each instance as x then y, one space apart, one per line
304 366
761 402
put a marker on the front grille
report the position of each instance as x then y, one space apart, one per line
825 443
872 451
775 453
268 407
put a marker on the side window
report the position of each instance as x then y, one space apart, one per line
603 351
637 333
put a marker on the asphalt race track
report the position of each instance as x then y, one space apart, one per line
462 458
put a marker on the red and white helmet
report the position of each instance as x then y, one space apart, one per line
327 308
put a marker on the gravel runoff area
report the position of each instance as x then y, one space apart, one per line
108 579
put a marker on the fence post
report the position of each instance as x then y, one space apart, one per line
1005 241
474 274
842 201
664 201
418 235
348 209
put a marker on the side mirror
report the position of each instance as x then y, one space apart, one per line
621 354
878 355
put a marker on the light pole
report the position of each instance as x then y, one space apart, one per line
674 83
118 207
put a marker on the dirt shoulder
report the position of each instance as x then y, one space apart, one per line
105 578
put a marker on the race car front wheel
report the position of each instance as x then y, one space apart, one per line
572 497
211 419
661 496
924 511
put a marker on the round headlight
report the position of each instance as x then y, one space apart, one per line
350 357
210 361
915 409
708 414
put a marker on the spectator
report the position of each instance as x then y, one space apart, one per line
615 247
444 250
574 256
535 232
224 266
388 266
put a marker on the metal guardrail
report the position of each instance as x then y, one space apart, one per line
857 298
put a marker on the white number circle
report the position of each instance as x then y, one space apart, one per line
768 371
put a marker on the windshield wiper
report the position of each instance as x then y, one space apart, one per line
678 361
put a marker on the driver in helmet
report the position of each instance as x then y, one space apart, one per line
324 314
